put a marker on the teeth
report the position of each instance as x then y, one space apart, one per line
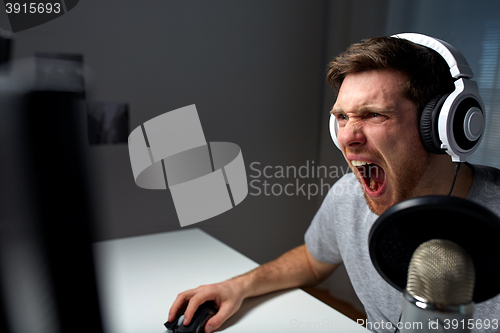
359 163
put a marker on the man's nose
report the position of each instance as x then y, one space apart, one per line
351 134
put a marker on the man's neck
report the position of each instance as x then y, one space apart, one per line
441 174
463 182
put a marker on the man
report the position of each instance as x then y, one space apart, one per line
382 85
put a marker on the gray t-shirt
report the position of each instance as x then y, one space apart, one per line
339 233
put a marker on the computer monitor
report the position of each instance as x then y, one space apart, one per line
47 278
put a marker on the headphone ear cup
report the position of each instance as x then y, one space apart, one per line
334 129
429 131
468 125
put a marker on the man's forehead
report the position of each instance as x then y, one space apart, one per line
374 90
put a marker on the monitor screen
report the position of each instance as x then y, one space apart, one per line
47 278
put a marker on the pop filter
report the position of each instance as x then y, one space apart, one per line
403 227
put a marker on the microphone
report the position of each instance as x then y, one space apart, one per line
439 290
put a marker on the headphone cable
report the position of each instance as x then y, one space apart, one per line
399 321
457 167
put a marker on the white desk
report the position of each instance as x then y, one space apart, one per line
140 277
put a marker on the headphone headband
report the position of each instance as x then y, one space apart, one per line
455 60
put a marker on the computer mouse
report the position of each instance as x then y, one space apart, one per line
197 325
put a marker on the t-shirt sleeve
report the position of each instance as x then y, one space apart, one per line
320 237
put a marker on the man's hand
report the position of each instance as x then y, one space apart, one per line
295 268
227 295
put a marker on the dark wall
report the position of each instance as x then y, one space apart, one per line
254 69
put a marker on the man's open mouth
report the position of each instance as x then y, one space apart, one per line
373 176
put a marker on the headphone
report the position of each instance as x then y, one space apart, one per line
453 123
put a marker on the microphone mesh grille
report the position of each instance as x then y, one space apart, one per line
441 272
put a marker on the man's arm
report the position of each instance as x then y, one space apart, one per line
295 268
